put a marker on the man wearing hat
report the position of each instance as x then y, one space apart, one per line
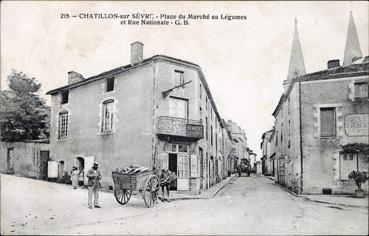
94 177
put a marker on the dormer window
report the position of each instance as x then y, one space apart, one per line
64 97
110 84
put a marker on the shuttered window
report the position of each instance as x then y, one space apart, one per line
361 90
107 116
327 122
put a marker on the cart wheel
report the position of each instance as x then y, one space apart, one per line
150 192
122 195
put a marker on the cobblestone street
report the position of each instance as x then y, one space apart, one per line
248 205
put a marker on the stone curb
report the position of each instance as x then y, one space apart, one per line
226 183
207 197
318 201
332 203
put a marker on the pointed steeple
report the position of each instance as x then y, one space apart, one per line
297 65
352 49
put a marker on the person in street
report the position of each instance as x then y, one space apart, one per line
81 176
155 171
164 183
74 175
173 180
93 184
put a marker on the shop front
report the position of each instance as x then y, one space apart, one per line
177 152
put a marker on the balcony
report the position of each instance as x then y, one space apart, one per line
174 126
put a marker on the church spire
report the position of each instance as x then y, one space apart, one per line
297 65
352 49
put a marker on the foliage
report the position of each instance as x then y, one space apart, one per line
359 177
23 114
356 148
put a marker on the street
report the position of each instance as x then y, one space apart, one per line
247 205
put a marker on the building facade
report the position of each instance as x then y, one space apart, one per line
155 112
317 116
239 141
265 146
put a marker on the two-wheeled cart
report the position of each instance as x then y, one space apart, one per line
146 183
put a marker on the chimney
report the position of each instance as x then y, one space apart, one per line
74 77
333 64
136 52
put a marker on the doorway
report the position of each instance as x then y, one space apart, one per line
44 158
173 168
9 161
81 168
61 169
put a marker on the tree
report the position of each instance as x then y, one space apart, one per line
23 114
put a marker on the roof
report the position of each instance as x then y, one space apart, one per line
269 131
128 67
115 71
352 70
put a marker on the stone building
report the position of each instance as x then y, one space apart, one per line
239 141
317 116
265 146
156 111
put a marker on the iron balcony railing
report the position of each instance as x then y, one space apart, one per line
174 126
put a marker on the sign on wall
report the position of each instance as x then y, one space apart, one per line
356 124
195 130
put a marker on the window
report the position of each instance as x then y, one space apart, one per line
201 154
178 107
276 139
182 166
211 135
182 148
348 163
200 113
207 127
107 116
63 124
64 97
200 92
179 77
110 84
327 122
361 90
216 142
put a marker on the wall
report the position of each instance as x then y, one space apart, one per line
321 155
130 142
25 158
164 77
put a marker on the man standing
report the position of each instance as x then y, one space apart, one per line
94 177
164 182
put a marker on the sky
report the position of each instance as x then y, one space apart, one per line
244 61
